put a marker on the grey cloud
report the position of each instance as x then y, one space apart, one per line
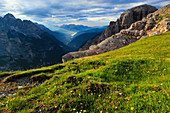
70 11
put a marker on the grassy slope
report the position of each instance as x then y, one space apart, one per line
134 78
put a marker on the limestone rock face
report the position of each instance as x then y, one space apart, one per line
161 27
126 19
150 25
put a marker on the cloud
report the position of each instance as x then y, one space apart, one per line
89 12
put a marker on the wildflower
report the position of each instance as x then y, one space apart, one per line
127 98
99 95
74 109
159 101
153 91
100 111
144 97
155 85
132 108
19 87
120 93
116 107
84 110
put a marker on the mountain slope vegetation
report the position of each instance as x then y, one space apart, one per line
134 78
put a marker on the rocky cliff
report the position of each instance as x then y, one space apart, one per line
23 45
154 23
126 19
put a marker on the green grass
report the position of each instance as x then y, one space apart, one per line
135 78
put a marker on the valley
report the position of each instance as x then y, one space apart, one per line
122 67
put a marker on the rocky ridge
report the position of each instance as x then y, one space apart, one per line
152 24
126 19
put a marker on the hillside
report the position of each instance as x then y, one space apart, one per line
134 78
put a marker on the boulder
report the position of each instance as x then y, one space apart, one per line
79 54
140 25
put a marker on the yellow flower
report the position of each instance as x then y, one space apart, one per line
127 98
132 108
100 111
159 101
153 91
144 97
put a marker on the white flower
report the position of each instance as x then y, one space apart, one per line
74 109
10 94
19 87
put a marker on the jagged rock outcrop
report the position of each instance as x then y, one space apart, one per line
23 45
150 25
126 19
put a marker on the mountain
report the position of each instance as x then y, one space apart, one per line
81 37
75 28
61 36
24 45
126 19
151 24
130 79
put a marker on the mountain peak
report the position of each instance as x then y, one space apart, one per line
9 16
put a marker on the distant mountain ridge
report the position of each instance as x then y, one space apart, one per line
80 38
74 27
24 45
63 37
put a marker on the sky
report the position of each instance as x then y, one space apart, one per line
53 13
